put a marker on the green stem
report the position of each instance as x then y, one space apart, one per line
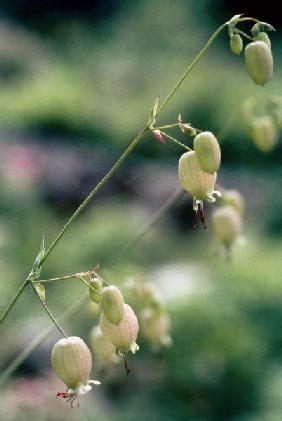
190 68
238 31
176 141
44 281
95 191
248 19
14 300
10 369
49 312
167 126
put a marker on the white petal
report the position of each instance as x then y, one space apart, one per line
217 193
196 203
96 382
134 347
210 199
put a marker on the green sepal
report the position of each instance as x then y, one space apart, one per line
153 113
234 20
36 268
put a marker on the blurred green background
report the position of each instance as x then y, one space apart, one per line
77 82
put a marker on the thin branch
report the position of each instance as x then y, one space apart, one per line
48 312
176 141
10 368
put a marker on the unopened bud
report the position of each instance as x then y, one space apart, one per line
262 36
226 224
234 199
95 291
259 62
151 296
112 304
155 327
123 335
236 44
264 133
207 152
157 134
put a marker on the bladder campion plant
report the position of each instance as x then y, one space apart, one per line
119 326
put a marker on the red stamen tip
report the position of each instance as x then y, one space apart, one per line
127 370
202 217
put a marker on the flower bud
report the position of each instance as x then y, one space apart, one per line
234 199
123 335
226 224
72 361
193 179
102 348
158 135
259 62
96 291
236 44
262 36
155 327
264 133
112 304
207 152
151 297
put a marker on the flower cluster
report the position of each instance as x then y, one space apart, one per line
154 319
257 54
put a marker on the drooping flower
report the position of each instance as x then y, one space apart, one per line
123 335
259 62
226 224
72 361
197 182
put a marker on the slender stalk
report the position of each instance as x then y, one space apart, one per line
176 141
14 300
10 369
190 68
48 312
238 31
167 126
248 19
96 189
61 278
